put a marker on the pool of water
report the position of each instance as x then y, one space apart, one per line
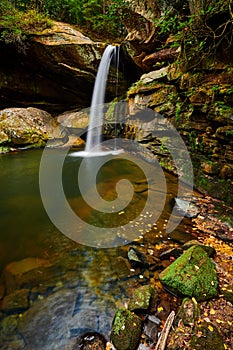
76 287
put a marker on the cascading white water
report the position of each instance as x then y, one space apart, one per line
93 143
96 112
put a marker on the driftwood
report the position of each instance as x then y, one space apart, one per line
161 343
162 55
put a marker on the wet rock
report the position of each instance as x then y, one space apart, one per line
151 327
136 258
91 341
193 274
143 298
29 126
10 339
172 252
15 302
184 207
207 337
126 330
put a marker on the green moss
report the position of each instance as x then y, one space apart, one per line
143 297
193 274
126 330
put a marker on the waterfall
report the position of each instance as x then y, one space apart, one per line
94 132
96 113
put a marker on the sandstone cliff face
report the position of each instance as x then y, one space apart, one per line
53 70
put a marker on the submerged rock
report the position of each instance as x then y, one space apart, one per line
193 274
22 272
15 302
126 330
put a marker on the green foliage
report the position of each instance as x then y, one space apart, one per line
100 16
203 29
15 24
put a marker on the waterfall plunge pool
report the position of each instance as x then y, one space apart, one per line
60 288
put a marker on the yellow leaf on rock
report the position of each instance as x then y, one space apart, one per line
212 312
210 328
219 321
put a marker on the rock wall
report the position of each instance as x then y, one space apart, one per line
53 70
200 106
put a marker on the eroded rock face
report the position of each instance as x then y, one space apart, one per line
55 70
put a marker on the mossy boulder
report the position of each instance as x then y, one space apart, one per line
21 127
193 274
143 298
126 330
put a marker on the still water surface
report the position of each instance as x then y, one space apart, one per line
24 224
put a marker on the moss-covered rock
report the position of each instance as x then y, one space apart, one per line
126 330
29 126
143 298
207 248
193 274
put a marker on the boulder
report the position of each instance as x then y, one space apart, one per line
126 330
193 274
29 126
17 272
